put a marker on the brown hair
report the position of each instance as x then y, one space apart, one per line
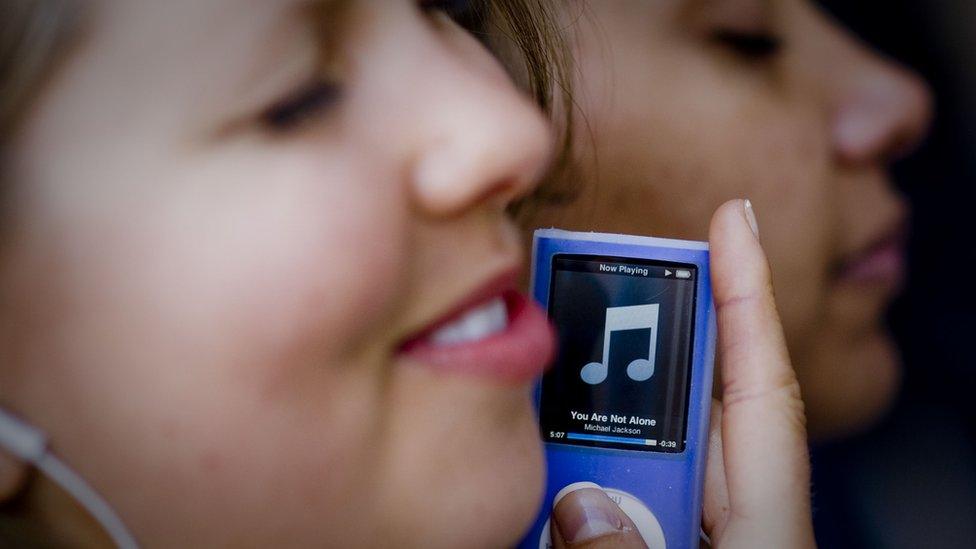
541 63
534 47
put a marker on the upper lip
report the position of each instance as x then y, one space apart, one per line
494 287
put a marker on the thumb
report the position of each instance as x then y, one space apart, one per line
584 517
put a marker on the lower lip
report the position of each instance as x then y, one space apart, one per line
518 354
882 265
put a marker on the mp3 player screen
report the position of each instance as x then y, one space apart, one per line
622 374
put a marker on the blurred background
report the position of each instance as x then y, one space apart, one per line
911 481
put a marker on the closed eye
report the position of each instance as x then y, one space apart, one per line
750 46
301 105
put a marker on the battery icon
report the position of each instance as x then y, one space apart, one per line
683 274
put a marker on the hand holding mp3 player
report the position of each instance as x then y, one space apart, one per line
645 446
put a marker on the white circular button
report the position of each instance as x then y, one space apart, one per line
644 519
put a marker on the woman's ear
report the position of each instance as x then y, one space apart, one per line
13 476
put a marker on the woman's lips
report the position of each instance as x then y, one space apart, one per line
504 337
881 263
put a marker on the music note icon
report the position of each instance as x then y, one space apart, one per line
635 317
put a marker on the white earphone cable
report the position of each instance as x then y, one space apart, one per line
30 445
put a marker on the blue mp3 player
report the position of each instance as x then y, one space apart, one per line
626 404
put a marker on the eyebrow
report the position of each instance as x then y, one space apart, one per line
330 19
705 4
331 7
713 9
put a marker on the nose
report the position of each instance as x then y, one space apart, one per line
485 143
882 110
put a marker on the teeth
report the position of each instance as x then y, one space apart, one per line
479 323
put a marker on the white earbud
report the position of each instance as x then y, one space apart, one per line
29 444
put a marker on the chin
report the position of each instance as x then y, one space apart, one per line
510 488
847 393
473 480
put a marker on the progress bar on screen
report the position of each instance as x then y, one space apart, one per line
617 440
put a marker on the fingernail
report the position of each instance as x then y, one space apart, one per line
750 216
583 511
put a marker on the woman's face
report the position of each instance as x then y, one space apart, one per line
234 234
687 103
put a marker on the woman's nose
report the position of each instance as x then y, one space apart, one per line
485 143
881 111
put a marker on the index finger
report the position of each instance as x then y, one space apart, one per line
763 427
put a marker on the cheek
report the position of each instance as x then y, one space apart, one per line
487 451
272 269
785 167
736 137
662 167
191 315
268 244
291 256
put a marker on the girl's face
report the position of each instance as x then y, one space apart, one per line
692 102
234 234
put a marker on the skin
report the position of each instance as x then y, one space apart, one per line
674 121
204 312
